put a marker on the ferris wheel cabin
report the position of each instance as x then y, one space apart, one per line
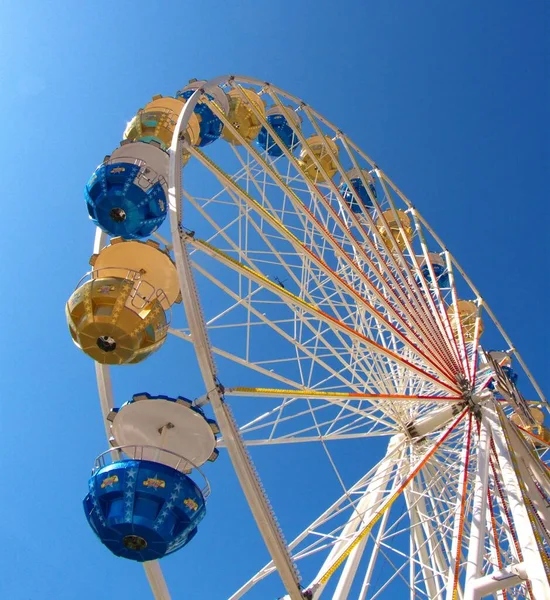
242 117
285 133
127 194
210 126
354 175
316 152
142 503
439 269
119 313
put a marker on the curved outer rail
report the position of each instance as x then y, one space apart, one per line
248 479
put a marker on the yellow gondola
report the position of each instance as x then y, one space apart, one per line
119 316
242 116
108 324
399 226
318 149
157 122
467 315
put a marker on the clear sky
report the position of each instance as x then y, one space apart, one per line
452 100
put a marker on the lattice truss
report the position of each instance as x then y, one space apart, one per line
406 538
405 525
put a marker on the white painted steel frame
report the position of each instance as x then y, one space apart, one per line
256 82
479 510
321 198
430 326
468 358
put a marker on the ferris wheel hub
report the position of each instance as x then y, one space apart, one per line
434 421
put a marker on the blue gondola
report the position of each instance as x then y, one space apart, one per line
127 194
282 128
211 127
439 270
360 190
143 510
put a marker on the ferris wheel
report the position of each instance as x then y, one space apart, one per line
323 311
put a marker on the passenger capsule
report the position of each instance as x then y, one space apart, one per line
509 372
210 125
466 317
242 116
360 190
156 122
318 149
278 122
118 314
142 509
399 226
157 271
439 269
127 194
106 324
502 358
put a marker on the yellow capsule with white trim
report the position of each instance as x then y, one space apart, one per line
400 227
318 148
157 120
242 116
465 316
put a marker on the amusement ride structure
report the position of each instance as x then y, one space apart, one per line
313 292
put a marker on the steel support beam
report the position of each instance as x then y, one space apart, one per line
478 525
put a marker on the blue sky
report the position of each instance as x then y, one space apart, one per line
451 99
